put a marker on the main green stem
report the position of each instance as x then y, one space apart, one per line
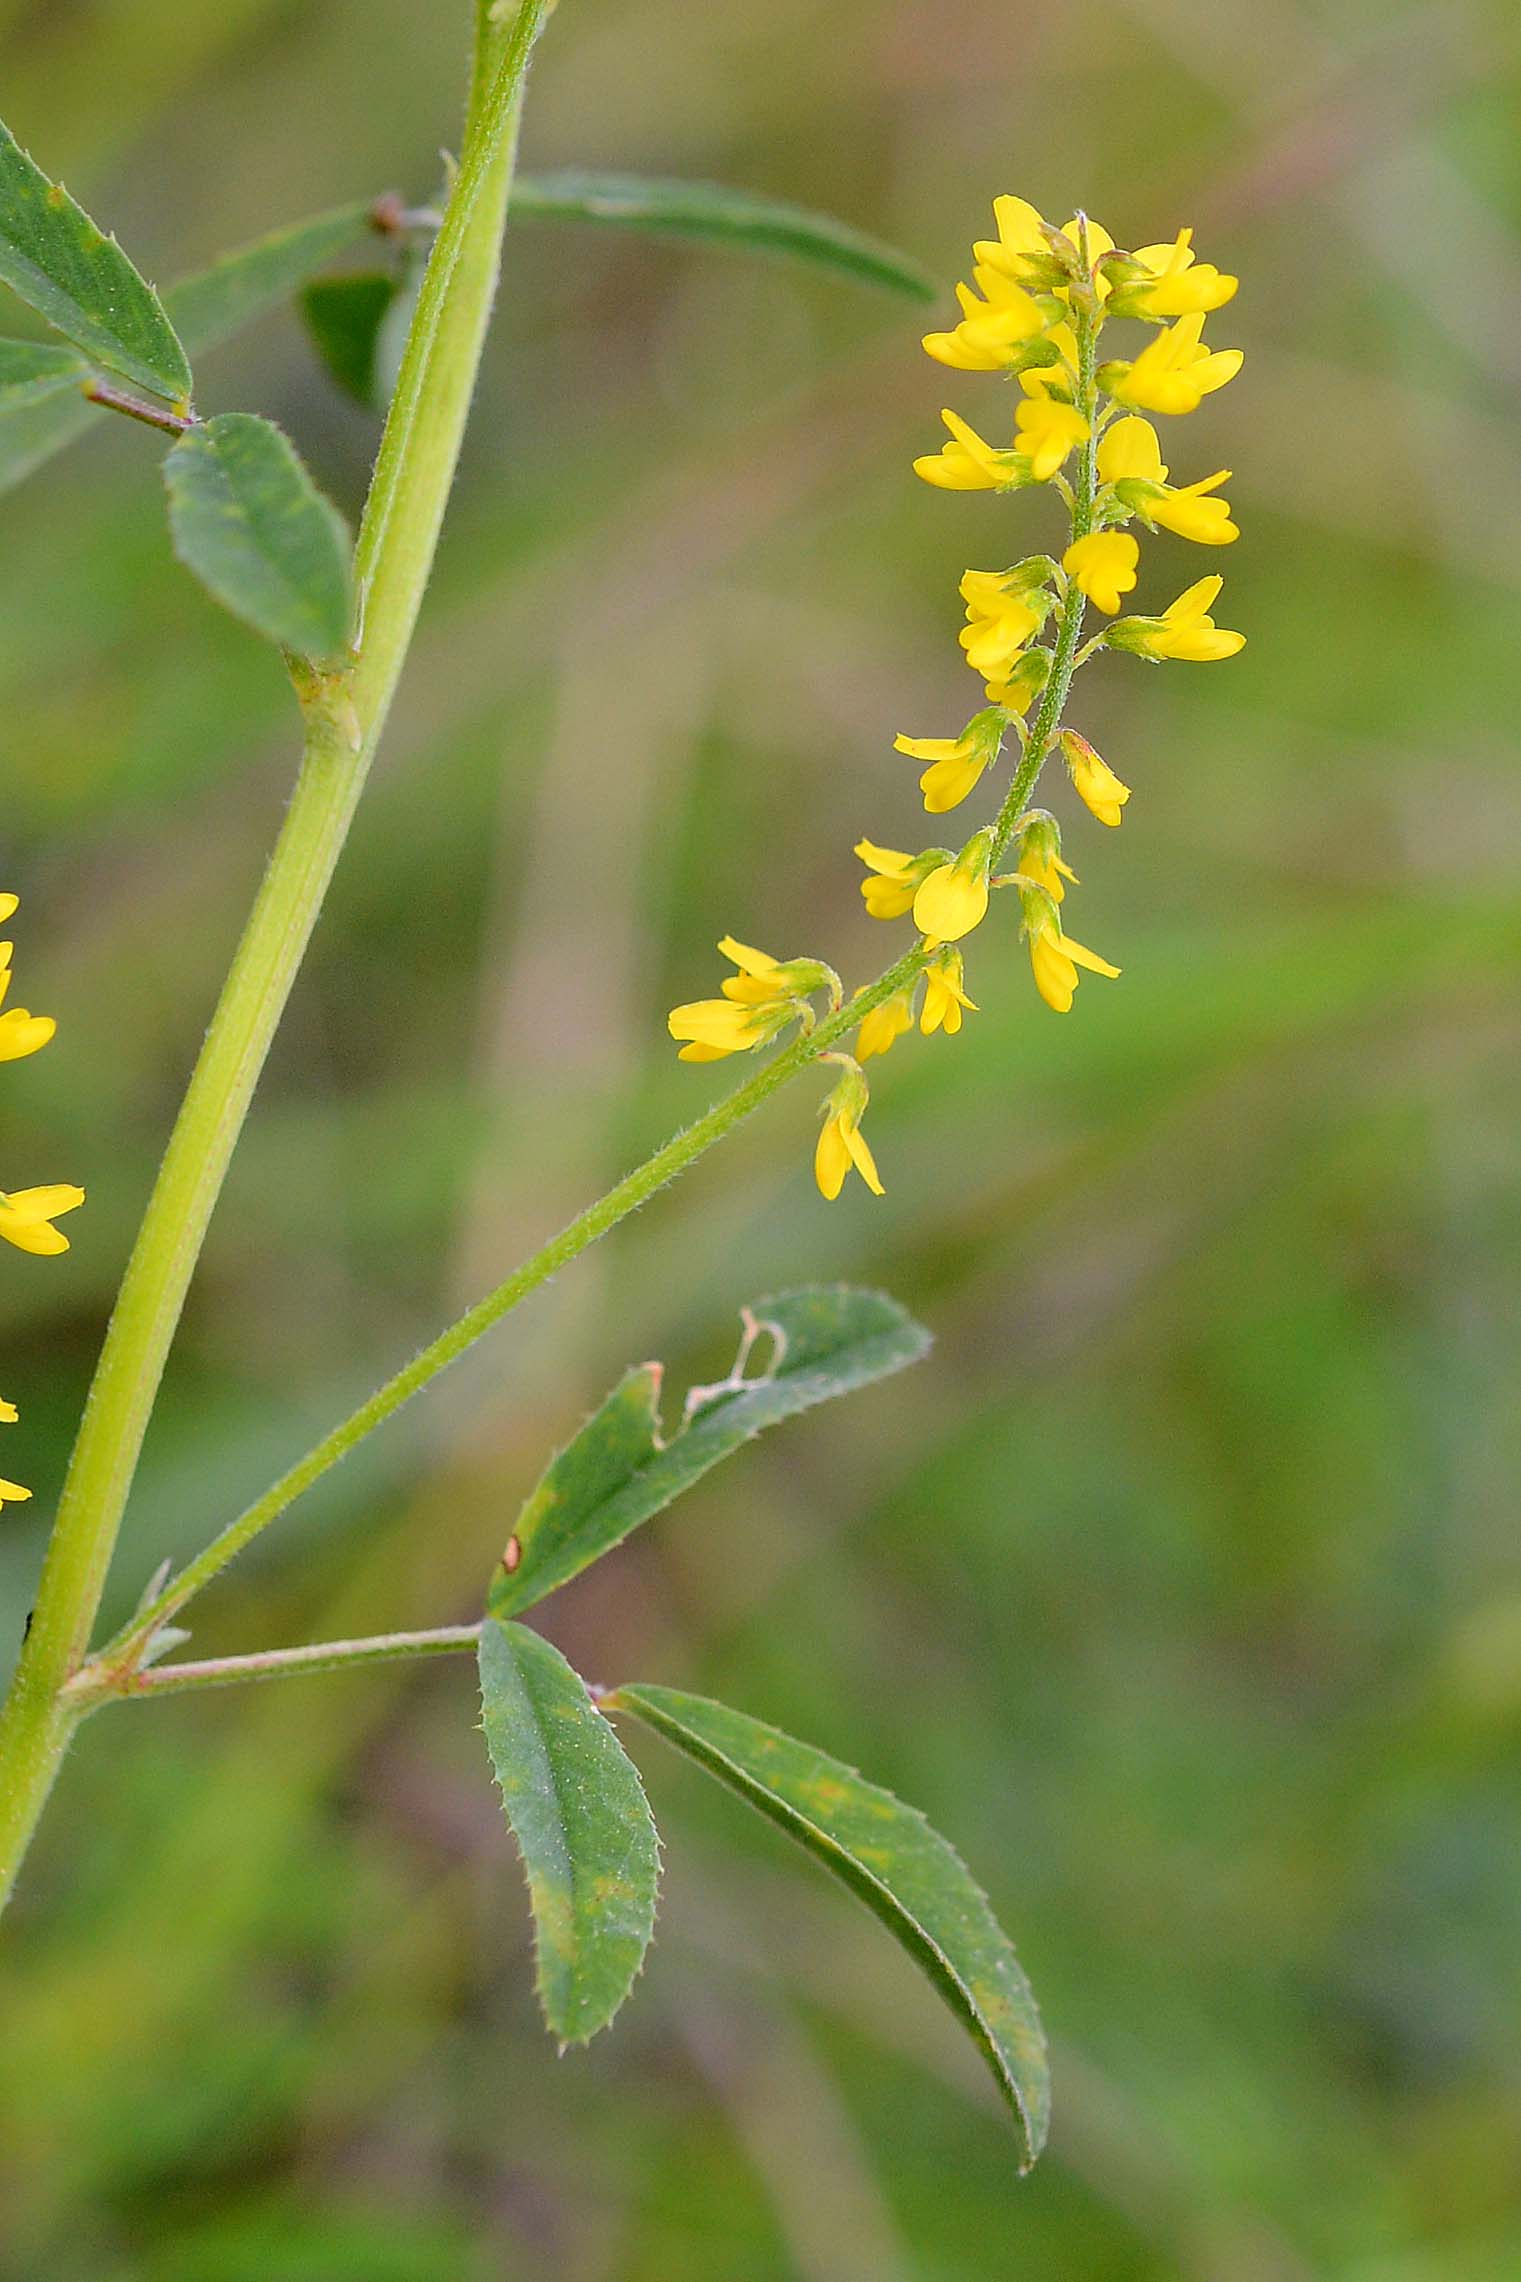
345 715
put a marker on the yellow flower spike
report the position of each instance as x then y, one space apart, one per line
944 995
841 1143
894 878
1174 372
1104 565
954 898
885 1024
1046 432
966 463
1180 285
1095 782
1184 630
27 1216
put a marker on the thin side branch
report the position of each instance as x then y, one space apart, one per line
98 1683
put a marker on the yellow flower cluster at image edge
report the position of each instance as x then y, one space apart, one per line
27 1216
1039 300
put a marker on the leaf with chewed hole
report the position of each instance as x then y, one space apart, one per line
577 1809
71 273
894 1862
824 1340
249 521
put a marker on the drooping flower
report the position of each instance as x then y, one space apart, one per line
1184 630
1055 957
1095 782
954 898
1104 565
885 1024
956 763
759 1000
894 876
27 1217
1174 372
967 463
944 995
1040 854
841 1142
1000 620
1130 459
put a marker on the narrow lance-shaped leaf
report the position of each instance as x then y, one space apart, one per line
252 525
55 258
709 210
825 1340
890 1857
576 1807
41 414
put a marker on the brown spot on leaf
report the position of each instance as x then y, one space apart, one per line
512 1556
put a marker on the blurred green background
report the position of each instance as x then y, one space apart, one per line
1182 1586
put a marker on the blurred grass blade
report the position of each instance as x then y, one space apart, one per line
252 525
617 1472
889 1856
707 210
345 317
55 258
577 1809
207 309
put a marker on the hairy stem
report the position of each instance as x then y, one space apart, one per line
345 714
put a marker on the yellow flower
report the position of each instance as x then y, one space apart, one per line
1130 458
956 763
954 898
1016 693
1174 372
993 331
885 1024
966 463
1040 856
20 1033
1055 959
1179 285
1046 431
1097 785
1000 620
841 1144
1184 630
761 999
8 1412
27 1216
1104 565
1020 250
894 877
9 906
944 995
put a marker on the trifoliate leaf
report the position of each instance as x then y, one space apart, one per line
577 1809
252 525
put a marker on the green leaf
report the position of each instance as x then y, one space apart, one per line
345 317
207 308
577 1810
889 1856
252 525
618 1471
53 255
707 210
